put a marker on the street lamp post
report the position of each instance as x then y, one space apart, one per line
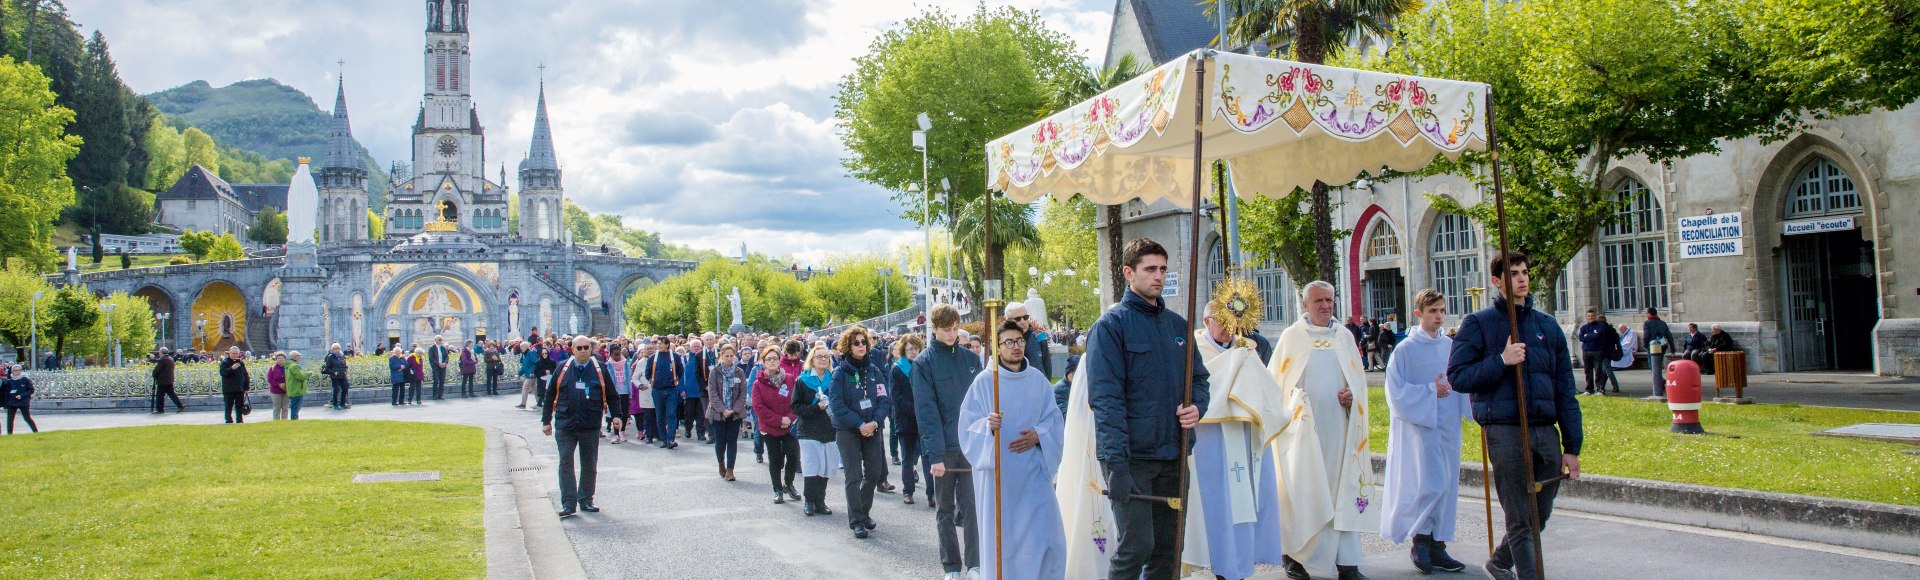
113 352
33 313
926 213
886 294
164 317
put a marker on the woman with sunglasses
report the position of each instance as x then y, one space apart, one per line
858 401
819 456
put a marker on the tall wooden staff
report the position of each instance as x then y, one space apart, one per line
1513 336
992 304
1193 275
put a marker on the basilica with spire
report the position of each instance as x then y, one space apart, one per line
447 189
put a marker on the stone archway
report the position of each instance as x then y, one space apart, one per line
219 314
436 302
162 304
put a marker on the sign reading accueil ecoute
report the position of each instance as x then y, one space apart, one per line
1711 236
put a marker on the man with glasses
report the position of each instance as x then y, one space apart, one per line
234 384
1035 343
1016 403
940 378
580 393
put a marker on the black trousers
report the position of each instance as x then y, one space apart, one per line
399 393
913 467
160 393
1590 361
24 412
413 389
1511 482
953 507
1146 528
865 462
586 442
493 383
339 398
693 416
784 461
726 441
439 382
466 385
233 400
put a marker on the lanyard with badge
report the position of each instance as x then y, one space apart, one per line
866 394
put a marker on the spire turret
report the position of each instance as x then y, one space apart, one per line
540 154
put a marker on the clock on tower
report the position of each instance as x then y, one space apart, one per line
449 146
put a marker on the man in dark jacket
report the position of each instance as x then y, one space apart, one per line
575 400
693 385
941 376
1593 347
1063 390
858 401
335 367
1658 341
163 383
234 384
1482 365
662 372
1137 354
437 358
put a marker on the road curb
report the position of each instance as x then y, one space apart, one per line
1855 524
549 551
506 540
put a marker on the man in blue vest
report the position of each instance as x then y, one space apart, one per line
693 386
575 401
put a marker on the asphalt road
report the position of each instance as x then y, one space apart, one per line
668 515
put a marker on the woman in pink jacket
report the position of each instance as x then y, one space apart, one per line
773 411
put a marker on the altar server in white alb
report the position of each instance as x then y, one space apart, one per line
1423 443
1233 520
1326 470
1031 431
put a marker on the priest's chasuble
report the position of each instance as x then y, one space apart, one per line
1035 540
1422 491
1092 534
1325 467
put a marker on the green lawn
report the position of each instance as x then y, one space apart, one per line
269 499
110 262
1757 447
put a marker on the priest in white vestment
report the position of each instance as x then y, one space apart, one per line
1422 491
1031 431
1325 468
1233 510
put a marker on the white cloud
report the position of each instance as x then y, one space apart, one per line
708 122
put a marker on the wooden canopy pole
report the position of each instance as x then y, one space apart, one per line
1192 290
992 304
1513 336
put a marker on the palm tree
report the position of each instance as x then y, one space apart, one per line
1312 28
1087 82
1013 227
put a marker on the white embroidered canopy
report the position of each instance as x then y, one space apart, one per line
1281 124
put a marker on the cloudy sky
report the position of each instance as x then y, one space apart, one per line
709 121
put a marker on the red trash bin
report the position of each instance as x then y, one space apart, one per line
1683 396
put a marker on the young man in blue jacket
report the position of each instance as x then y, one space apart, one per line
941 376
1136 356
1483 364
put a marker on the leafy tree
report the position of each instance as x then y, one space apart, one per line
853 288
1277 229
513 213
34 186
977 78
1312 28
126 260
1013 228
16 312
578 221
167 153
226 248
132 319
376 227
66 311
201 150
197 244
1580 84
269 227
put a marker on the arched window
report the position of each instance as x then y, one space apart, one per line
1382 243
1275 289
1822 188
1454 255
1633 252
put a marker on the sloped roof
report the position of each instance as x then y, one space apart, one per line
1173 27
255 196
198 183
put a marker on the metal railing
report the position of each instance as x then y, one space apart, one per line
202 378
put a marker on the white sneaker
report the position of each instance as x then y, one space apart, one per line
954 576
973 574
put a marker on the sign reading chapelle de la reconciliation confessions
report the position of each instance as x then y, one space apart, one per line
1711 236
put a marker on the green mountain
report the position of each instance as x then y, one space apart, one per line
265 117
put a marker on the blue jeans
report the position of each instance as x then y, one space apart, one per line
293 407
666 408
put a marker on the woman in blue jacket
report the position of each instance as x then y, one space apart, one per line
529 357
397 374
858 401
17 397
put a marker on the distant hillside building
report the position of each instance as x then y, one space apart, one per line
202 201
